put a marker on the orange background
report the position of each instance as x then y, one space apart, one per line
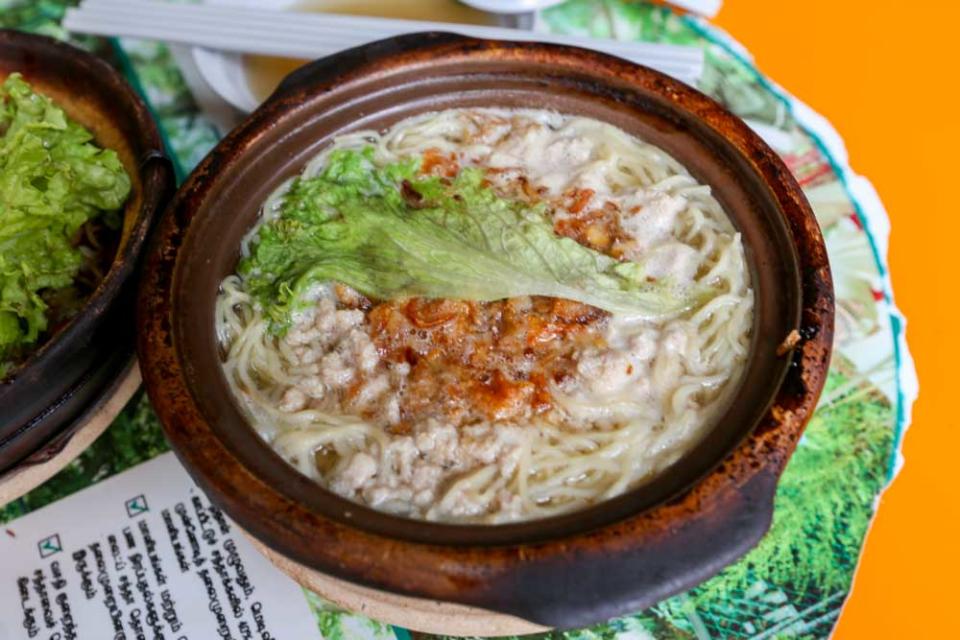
886 74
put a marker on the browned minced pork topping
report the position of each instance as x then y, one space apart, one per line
472 362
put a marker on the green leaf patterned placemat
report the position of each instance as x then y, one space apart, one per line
794 583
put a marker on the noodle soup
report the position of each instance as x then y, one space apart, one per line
487 315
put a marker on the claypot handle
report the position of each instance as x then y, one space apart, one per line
306 76
611 585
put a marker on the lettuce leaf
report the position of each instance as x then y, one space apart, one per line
390 233
53 179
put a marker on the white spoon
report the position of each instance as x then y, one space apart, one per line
510 6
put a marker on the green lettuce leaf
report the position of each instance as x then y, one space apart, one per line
390 233
53 179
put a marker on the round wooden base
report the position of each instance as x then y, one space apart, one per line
31 473
417 614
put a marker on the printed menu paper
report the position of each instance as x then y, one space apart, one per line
142 555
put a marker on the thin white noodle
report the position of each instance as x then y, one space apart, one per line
558 468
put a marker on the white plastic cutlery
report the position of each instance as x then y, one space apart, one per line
313 35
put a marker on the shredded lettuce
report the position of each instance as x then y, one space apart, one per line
391 233
53 179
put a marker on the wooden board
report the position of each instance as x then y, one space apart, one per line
93 422
417 614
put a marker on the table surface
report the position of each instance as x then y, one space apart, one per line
879 72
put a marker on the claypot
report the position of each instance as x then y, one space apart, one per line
617 556
48 393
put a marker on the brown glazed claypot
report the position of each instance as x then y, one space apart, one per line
45 396
618 556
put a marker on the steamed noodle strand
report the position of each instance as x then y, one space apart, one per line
555 467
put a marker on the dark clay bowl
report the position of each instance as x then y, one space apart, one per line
46 393
618 556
